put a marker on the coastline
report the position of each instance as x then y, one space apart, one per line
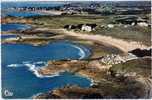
123 45
119 43
97 78
94 70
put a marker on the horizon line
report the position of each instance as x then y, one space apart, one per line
65 0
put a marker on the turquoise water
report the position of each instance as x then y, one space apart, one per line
14 26
20 63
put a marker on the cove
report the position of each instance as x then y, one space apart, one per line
20 62
14 26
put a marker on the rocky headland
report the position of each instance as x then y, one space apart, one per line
129 79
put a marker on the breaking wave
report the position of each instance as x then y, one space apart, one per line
33 67
15 65
81 53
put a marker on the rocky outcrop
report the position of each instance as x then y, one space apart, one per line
137 70
116 59
129 88
89 67
141 53
72 92
136 67
128 79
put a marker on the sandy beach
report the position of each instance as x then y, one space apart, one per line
123 45
50 12
119 43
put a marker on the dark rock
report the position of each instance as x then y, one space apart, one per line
93 96
141 53
92 25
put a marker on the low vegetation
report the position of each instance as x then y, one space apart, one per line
140 67
61 21
135 33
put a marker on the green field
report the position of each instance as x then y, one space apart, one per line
135 33
141 67
60 21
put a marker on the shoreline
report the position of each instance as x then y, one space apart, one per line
121 44
109 50
96 78
94 70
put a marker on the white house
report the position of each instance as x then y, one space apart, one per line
86 28
143 24
110 25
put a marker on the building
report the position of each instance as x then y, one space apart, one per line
133 21
110 25
142 24
86 28
83 27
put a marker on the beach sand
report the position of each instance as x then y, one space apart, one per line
121 44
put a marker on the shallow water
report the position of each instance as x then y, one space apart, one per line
14 26
21 61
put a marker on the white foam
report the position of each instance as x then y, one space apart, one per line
39 62
33 68
81 53
92 82
35 95
15 65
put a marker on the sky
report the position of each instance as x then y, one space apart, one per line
75 0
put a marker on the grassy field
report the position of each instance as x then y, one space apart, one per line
139 66
136 33
60 21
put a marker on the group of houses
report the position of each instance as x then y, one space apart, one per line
32 8
82 27
133 21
